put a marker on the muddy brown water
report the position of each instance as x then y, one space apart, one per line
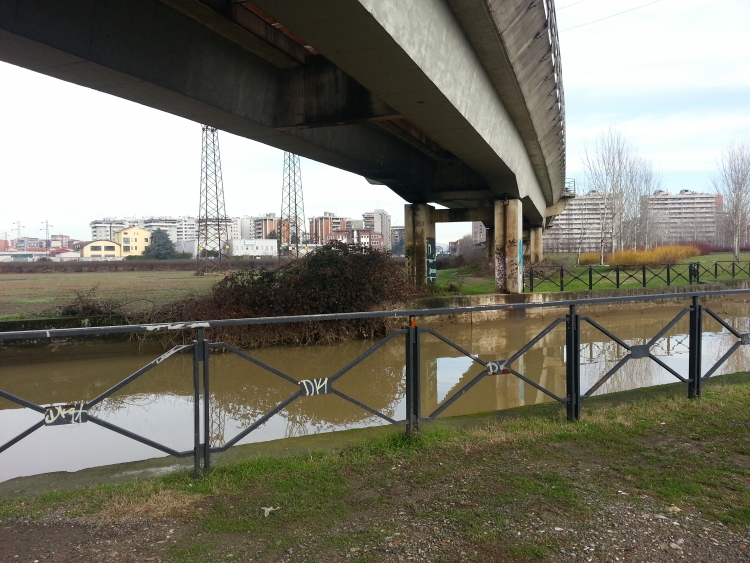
159 405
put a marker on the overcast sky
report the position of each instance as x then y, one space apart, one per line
673 77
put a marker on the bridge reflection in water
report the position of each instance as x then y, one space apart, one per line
159 405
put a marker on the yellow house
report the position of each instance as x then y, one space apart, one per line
100 249
133 241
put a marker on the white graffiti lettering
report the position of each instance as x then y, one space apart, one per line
65 414
176 326
497 367
312 387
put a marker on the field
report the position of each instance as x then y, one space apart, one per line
646 475
33 295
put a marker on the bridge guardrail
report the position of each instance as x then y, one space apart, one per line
201 349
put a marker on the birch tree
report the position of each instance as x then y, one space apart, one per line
732 182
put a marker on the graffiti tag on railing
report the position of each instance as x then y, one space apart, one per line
73 413
310 387
498 367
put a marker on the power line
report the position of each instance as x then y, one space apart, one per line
611 16
569 5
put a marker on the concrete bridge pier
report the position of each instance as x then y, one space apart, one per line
536 253
508 235
505 240
419 246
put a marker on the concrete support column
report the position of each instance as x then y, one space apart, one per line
535 248
490 243
420 248
508 246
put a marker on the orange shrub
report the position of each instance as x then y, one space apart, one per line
589 258
659 255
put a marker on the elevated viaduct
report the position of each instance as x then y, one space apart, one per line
451 102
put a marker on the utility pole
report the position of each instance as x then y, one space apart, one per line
292 205
212 215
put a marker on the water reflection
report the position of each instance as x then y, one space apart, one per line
159 405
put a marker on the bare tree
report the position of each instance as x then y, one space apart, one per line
641 183
621 178
733 184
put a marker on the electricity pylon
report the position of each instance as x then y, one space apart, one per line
292 224
213 223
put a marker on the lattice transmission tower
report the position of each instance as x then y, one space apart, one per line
213 223
292 226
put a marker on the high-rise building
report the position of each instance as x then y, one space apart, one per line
262 226
584 225
686 216
380 222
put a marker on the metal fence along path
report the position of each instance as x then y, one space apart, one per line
412 335
576 278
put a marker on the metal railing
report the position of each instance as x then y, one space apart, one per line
560 278
323 384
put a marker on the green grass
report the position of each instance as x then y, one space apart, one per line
654 444
465 281
42 294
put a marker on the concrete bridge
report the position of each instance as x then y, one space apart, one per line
451 102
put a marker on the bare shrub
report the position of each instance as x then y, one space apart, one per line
589 258
660 255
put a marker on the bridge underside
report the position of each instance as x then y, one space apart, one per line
446 102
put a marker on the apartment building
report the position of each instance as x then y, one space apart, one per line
178 228
379 221
686 216
478 232
364 237
586 222
253 247
324 225
132 241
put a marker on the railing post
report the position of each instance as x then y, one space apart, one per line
206 411
591 278
690 273
669 276
531 280
716 270
617 277
695 350
573 364
198 351
733 265
644 275
562 279
413 411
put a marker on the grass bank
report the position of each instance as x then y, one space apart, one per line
646 475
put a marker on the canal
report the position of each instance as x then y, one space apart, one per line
159 405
